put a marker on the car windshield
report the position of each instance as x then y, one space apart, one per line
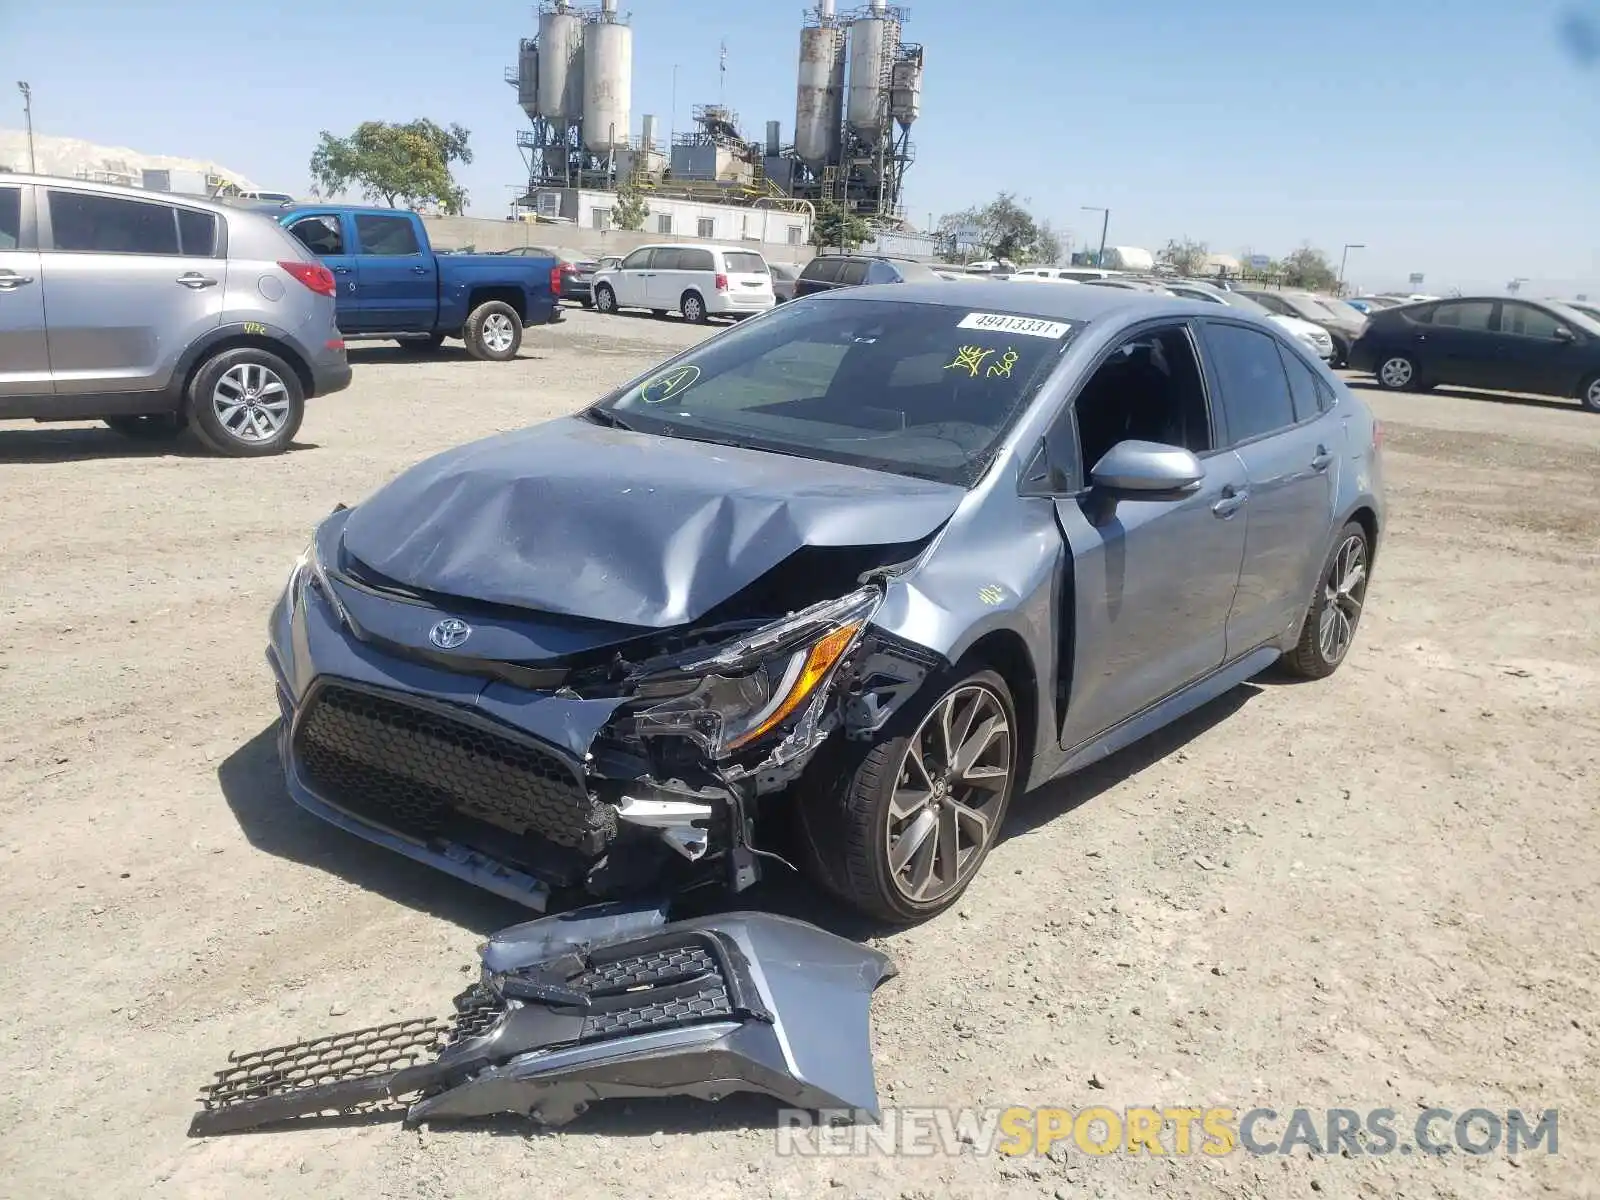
919 389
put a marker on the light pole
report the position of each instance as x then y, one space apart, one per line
1515 285
1100 259
27 112
1343 258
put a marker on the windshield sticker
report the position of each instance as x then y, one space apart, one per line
669 384
1001 323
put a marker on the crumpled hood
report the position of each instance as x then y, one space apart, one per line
574 518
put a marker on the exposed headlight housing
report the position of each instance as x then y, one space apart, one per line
757 687
308 572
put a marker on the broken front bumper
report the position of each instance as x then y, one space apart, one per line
602 1003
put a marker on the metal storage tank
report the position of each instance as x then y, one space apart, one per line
869 52
560 63
905 95
819 98
607 81
528 78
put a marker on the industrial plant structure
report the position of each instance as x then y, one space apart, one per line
858 93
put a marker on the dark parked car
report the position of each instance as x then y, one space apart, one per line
874 564
784 276
829 271
1543 347
1343 323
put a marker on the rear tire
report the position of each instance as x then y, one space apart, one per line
148 427
605 300
1589 394
1335 612
246 403
856 812
1398 373
493 332
693 307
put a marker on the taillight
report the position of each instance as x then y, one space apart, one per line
722 283
314 275
556 273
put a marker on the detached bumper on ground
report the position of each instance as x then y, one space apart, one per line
600 1003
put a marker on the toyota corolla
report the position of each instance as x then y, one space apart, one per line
849 576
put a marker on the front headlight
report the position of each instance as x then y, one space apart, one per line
755 687
308 572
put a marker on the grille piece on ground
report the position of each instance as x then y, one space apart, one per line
410 765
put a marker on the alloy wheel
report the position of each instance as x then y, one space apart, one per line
1591 397
498 333
251 402
692 311
948 795
1396 372
1343 591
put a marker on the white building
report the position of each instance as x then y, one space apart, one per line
675 218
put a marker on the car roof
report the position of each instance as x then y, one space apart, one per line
1079 304
218 205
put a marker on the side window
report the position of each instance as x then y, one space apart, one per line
639 260
391 237
696 260
1304 387
1524 320
882 272
197 233
667 260
1468 314
1148 389
10 217
822 270
320 235
853 271
1255 390
111 225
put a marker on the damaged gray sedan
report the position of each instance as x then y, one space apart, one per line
848 576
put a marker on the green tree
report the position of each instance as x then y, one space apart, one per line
1046 246
393 163
1185 257
1308 268
1003 229
838 228
631 208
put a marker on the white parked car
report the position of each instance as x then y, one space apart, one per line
698 281
1313 335
1051 274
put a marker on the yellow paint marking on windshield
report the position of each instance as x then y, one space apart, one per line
968 359
669 384
1002 369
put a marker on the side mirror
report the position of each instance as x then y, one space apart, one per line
1147 471
1563 334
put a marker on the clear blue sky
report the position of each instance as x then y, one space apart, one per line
1454 137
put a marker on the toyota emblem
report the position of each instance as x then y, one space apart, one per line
449 633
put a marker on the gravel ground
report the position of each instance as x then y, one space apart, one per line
1373 891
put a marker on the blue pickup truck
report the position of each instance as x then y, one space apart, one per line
393 285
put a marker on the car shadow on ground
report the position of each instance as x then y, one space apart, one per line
1455 393
84 443
360 353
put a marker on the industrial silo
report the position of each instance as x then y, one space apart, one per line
905 92
872 41
560 72
607 81
528 77
819 100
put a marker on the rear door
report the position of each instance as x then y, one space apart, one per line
397 281
1529 356
1288 450
327 235
1459 344
853 272
127 299
819 275
24 348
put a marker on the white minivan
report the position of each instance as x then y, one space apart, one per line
698 281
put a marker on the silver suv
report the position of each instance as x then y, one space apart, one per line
158 313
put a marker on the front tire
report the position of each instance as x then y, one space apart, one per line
1335 612
1398 373
900 829
493 332
1589 394
246 403
605 300
693 308
147 427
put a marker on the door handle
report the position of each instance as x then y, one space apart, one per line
341 270
419 270
195 281
1322 459
10 281
1232 501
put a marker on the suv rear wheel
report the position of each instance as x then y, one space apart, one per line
147 427
246 402
493 332
693 308
1397 373
1335 611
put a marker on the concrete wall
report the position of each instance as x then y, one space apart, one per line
454 233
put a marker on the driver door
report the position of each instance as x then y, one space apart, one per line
1153 580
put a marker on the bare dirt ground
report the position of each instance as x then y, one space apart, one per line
1399 908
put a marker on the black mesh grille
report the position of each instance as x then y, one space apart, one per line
411 767
674 985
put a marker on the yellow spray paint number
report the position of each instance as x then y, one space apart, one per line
669 384
968 359
1001 369
255 327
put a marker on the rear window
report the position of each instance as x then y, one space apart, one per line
927 390
111 224
822 270
669 259
744 263
197 233
389 236
10 217
692 259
